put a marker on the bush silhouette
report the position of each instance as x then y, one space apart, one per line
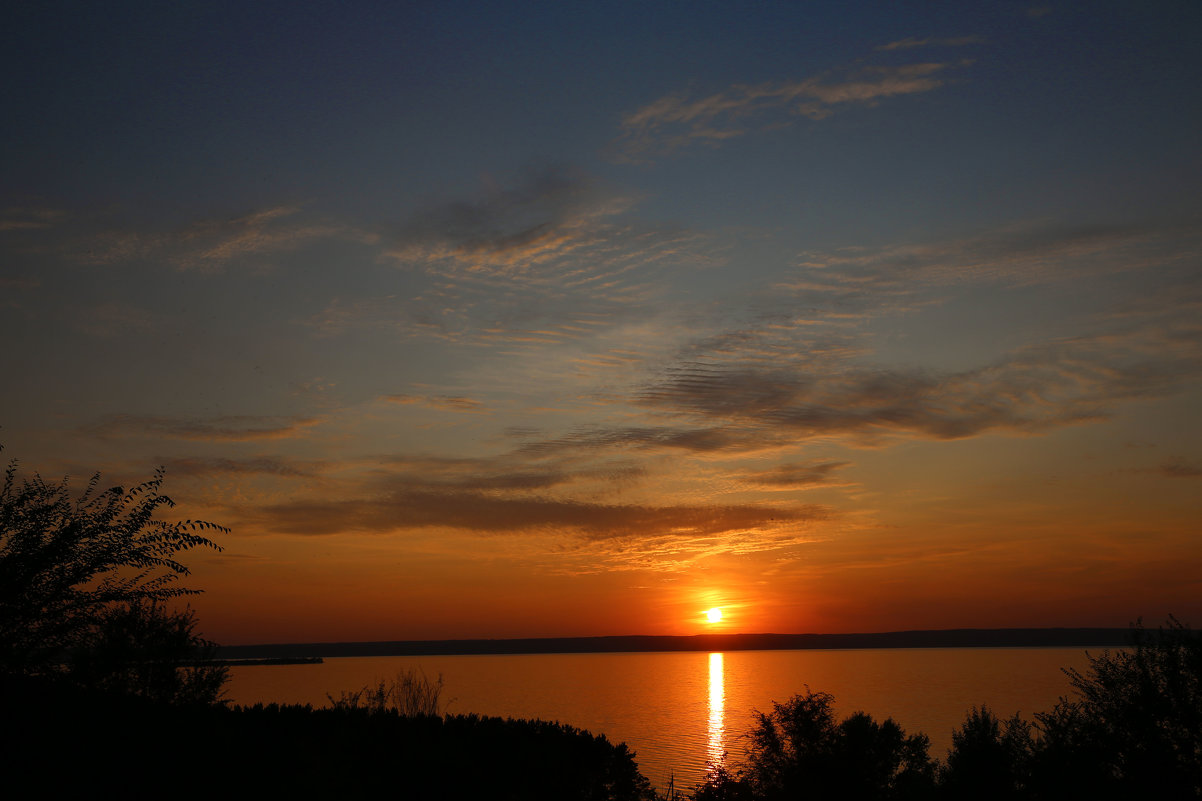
144 650
989 759
82 583
1135 724
410 694
799 751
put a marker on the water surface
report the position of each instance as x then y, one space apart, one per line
677 710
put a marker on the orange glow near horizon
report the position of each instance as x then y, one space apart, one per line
553 390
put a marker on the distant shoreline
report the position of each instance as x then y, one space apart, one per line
944 638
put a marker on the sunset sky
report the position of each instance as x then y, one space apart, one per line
508 320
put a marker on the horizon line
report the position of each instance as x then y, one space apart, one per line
1052 636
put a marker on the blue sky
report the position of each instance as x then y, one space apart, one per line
482 320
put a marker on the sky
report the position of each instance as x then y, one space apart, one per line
567 319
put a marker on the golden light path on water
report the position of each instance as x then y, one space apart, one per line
716 747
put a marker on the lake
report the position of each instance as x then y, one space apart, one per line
677 710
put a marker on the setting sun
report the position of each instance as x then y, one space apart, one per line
713 615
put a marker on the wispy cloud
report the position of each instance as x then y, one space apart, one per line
260 465
811 374
1021 254
213 246
1033 389
228 429
912 42
676 121
451 403
803 475
550 257
488 514
552 224
17 218
548 213
567 503
1179 469
648 439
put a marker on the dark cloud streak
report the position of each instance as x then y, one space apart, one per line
265 465
415 509
230 429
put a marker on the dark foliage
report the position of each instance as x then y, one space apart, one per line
722 785
65 564
800 751
1132 730
989 759
150 750
1136 723
144 650
410 694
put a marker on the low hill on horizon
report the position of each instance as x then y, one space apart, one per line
938 638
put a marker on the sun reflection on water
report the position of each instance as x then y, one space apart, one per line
716 746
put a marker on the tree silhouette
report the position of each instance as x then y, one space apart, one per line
989 759
799 751
143 650
1135 724
66 564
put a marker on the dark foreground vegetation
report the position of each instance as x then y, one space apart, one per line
69 740
103 684
1133 730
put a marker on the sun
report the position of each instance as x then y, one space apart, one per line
713 615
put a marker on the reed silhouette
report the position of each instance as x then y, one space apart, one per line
410 694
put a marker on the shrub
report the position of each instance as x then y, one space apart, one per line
1135 724
798 750
144 650
82 581
410 694
989 758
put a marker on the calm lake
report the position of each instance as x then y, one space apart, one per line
677 710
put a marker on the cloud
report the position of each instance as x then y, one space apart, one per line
1033 389
801 366
481 474
552 225
546 259
487 514
1179 469
263 465
1020 254
23 219
451 403
913 42
229 429
527 315
645 438
799 475
547 214
213 246
676 121
569 506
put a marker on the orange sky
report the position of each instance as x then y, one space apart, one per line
474 321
